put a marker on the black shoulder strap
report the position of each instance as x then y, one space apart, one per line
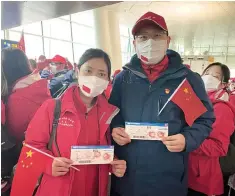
52 140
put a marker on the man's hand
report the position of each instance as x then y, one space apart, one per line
175 143
120 136
118 168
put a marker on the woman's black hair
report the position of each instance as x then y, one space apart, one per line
15 65
224 68
95 53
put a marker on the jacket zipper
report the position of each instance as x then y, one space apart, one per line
150 86
86 114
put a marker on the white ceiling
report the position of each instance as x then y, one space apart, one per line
193 19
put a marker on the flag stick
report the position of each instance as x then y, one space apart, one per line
171 96
46 154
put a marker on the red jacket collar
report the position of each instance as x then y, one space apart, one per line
106 111
69 104
153 71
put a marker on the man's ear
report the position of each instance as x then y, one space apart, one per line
168 41
134 43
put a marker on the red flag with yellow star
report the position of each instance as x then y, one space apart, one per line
30 166
185 97
21 44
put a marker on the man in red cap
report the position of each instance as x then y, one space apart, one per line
140 92
58 74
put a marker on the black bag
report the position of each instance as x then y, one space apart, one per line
53 134
52 139
227 163
9 156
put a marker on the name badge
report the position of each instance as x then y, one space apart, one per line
92 155
146 131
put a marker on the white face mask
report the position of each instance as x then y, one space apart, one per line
232 87
92 86
151 51
211 83
53 69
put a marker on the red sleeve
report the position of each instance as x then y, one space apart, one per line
3 114
38 132
216 145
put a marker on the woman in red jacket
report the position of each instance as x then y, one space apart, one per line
205 175
26 92
84 120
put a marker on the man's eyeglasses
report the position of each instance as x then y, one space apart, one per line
157 36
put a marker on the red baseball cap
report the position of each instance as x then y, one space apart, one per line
58 59
149 18
232 79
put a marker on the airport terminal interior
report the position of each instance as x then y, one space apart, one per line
118 98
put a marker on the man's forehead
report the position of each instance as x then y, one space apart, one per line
150 28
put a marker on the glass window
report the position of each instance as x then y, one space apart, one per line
231 40
57 28
123 30
230 60
125 44
14 36
2 34
33 46
54 47
85 18
79 50
219 50
125 58
231 50
34 28
83 35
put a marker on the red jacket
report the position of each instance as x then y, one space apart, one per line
205 174
68 131
232 99
3 113
26 97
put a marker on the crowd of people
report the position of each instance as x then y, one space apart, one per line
192 160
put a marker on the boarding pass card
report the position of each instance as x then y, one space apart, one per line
146 131
88 155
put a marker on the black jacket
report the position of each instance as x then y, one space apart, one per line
227 163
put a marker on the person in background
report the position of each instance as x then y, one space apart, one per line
84 120
57 66
42 58
69 65
58 74
188 66
33 64
140 92
222 92
232 85
227 164
109 88
205 175
9 153
26 91
115 74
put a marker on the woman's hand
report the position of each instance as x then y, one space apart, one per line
60 166
118 167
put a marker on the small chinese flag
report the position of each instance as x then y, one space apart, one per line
30 166
185 97
21 44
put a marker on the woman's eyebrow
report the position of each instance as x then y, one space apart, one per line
101 70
